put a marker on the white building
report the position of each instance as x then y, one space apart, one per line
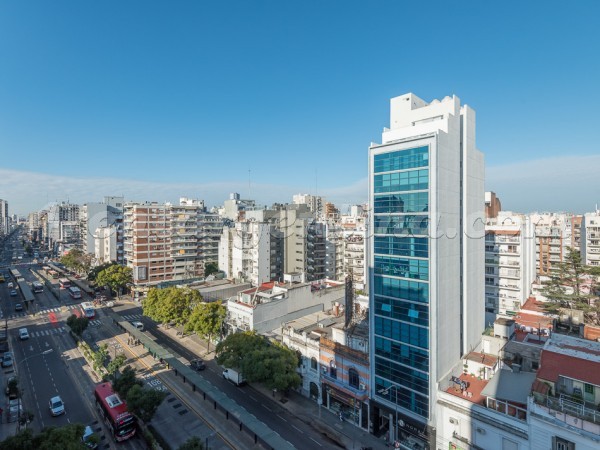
590 239
106 214
509 263
426 255
268 306
315 203
105 244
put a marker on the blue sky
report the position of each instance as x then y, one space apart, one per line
156 100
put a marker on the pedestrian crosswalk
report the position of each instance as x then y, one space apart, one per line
47 332
132 317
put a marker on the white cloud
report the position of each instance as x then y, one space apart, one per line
29 191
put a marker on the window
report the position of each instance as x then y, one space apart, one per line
332 369
353 378
559 443
489 270
589 389
535 365
313 363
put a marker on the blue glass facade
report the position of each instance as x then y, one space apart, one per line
400 289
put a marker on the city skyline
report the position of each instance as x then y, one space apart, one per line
271 100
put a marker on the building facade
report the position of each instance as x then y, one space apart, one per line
590 239
426 258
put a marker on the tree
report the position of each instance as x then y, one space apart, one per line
115 364
124 382
573 285
67 437
76 260
171 304
206 320
144 402
99 357
260 360
93 273
210 268
193 443
77 324
116 277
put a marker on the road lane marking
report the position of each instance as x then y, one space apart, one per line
316 442
294 426
267 408
252 398
282 418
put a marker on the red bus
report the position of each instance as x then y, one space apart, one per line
64 283
114 410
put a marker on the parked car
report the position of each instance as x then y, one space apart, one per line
13 293
7 359
138 325
12 393
18 307
57 407
10 285
197 364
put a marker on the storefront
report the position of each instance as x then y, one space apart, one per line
354 408
412 434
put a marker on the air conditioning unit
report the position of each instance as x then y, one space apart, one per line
453 421
362 386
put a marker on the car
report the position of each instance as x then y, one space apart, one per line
7 359
138 325
18 307
197 364
23 334
89 438
11 382
10 285
13 293
57 407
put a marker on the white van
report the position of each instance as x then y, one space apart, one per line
138 325
23 334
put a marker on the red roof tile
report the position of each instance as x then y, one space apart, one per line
553 365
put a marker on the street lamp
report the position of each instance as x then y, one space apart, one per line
386 391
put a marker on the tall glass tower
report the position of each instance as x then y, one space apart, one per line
426 260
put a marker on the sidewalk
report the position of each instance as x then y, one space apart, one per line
345 434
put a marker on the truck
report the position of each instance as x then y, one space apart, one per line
234 376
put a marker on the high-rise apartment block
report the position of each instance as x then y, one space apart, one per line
509 263
552 240
590 239
165 242
4 229
426 188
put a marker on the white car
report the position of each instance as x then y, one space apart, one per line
23 334
57 407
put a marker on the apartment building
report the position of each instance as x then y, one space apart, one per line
426 258
590 239
509 263
492 205
552 240
334 250
315 203
4 218
107 214
63 227
250 251
164 242
105 245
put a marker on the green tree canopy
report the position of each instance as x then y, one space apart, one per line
67 437
171 304
260 360
94 271
193 443
210 268
144 402
115 364
116 277
77 324
76 260
565 287
206 320
125 381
